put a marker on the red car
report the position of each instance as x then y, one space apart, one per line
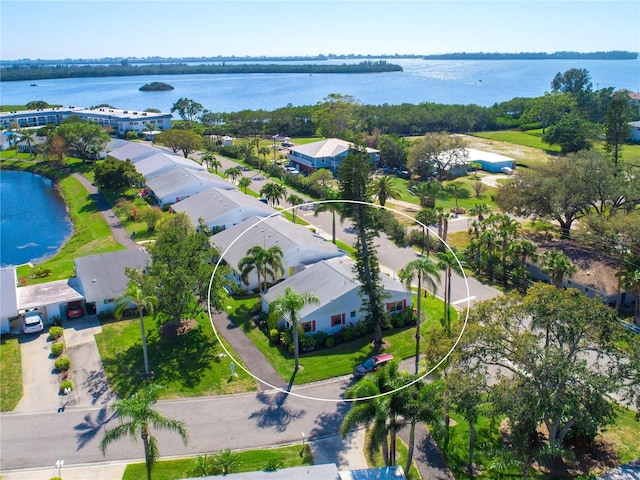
372 364
75 310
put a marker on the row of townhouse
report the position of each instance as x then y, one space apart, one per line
311 263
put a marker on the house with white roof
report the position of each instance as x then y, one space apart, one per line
334 282
222 209
134 151
489 162
300 246
327 153
103 279
163 162
179 183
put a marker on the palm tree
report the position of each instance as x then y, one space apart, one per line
331 204
426 216
557 265
264 151
215 164
424 404
447 261
457 191
226 461
294 200
266 262
427 193
244 183
442 220
489 239
425 269
273 192
383 188
233 173
135 295
136 417
289 305
28 138
522 250
206 158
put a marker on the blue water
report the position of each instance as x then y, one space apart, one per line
482 82
34 222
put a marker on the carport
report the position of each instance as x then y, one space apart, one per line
50 298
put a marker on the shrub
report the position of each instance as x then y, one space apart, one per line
57 349
55 332
63 364
286 337
274 334
132 135
271 466
56 321
330 342
398 320
66 384
40 272
348 334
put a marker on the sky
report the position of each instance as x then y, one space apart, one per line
175 28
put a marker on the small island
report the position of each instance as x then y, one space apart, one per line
155 87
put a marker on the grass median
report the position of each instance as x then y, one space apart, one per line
10 373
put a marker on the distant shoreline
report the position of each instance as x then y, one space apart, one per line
612 55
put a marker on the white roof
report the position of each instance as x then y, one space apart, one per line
269 232
330 147
162 161
474 155
214 202
181 182
134 151
8 295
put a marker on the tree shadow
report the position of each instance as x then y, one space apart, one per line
328 423
97 386
275 415
89 428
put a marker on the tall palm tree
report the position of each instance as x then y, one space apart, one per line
384 188
489 239
206 158
266 263
557 265
521 251
288 305
331 204
215 164
244 183
273 192
457 190
425 269
426 216
447 261
264 151
424 404
136 417
295 200
135 295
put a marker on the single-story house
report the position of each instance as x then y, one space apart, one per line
222 209
595 276
134 151
180 183
334 282
301 247
103 279
489 162
8 298
634 134
163 162
327 153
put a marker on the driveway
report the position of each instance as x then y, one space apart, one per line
40 380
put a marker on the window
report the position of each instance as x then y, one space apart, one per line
336 320
307 327
353 314
395 307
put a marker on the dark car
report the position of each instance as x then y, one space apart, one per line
372 364
75 310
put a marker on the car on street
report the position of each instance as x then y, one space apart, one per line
75 310
32 322
372 364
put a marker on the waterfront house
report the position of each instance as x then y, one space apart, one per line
103 279
327 153
335 285
301 247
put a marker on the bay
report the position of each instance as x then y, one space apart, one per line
480 82
34 222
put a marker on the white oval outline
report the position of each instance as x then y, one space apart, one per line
333 400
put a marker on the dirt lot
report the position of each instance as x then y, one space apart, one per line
519 152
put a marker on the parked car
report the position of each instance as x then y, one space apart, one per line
372 364
32 323
75 310
507 170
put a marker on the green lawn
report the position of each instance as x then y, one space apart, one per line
10 373
340 360
250 461
531 138
188 365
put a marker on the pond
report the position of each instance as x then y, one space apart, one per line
34 222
